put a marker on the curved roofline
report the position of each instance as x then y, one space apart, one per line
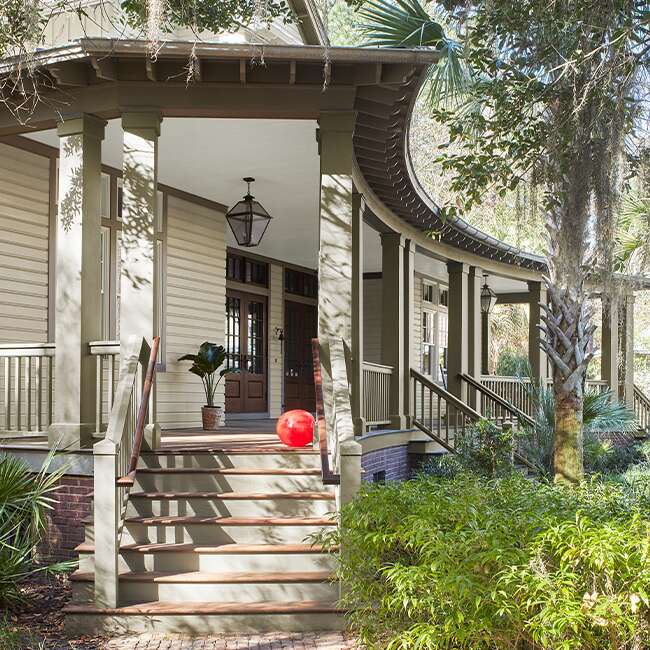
383 155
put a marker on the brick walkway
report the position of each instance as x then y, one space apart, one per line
287 641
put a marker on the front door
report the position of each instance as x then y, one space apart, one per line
246 344
300 326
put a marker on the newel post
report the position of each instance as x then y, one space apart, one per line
106 524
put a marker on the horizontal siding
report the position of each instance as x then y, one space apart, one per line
195 306
372 306
24 273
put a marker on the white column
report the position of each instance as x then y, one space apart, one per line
357 315
458 357
537 296
610 344
138 307
393 332
409 326
77 280
475 331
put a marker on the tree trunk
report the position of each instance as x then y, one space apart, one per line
568 461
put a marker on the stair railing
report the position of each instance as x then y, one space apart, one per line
642 408
439 413
495 407
332 381
116 458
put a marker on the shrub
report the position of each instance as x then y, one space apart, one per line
482 448
496 564
24 499
512 364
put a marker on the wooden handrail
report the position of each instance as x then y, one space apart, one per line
329 477
142 414
641 396
446 395
495 397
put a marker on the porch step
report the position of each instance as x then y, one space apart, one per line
234 504
265 460
224 530
169 586
228 479
206 617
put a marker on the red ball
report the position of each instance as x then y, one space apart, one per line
295 428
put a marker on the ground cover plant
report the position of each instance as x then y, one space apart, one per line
473 562
25 498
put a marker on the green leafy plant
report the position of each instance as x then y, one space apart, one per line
205 364
25 498
602 414
496 564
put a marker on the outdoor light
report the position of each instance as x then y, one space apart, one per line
488 298
248 220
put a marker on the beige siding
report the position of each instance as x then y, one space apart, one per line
372 306
24 269
276 320
195 299
417 324
24 232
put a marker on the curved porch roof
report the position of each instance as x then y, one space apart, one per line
102 76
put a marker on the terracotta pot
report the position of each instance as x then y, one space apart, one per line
212 417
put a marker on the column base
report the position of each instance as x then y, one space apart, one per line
400 422
66 436
350 470
359 426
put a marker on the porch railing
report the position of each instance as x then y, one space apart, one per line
642 409
516 390
27 388
107 359
376 393
115 459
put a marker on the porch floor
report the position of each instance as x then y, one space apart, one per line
237 434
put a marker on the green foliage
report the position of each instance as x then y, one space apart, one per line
24 499
205 363
602 414
217 17
511 364
473 563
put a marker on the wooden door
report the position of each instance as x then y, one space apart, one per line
246 346
300 326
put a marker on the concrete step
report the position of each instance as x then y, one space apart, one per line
234 504
213 558
149 586
206 617
240 479
287 459
222 530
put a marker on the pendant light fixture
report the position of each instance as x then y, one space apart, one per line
247 219
488 298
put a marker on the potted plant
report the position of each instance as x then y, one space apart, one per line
205 364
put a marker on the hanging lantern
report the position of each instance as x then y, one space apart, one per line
488 298
248 220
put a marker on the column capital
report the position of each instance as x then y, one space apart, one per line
141 120
392 239
457 267
476 271
340 121
82 124
535 284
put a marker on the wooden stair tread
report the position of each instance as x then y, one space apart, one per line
236 496
236 451
234 521
202 577
222 549
262 471
204 608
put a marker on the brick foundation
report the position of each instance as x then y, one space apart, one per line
389 464
65 527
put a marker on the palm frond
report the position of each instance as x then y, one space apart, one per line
406 24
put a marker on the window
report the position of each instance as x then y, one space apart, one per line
300 283
249 271
105 197
105 289
434 331
428 343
